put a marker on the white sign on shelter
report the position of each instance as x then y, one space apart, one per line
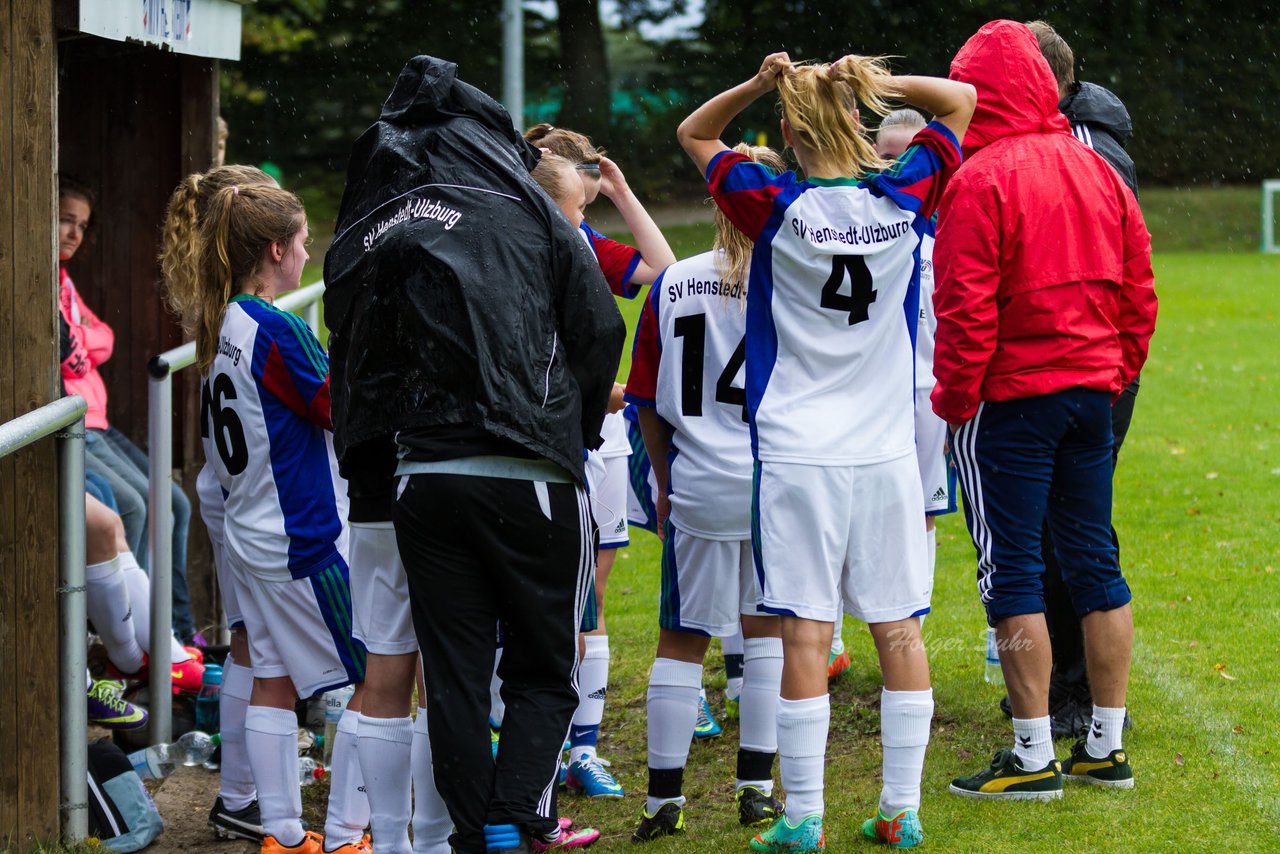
208 28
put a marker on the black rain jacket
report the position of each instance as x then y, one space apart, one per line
1099 119
457 293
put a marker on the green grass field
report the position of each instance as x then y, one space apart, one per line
1198 511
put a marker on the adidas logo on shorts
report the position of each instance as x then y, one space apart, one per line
597 694
940 495
621 527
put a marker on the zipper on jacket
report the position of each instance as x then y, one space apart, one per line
546 380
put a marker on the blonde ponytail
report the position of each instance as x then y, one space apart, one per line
818 103
733 248
199 307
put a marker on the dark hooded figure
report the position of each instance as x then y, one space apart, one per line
1046 305
474 346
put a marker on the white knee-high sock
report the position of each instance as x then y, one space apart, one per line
383 745
497 708
139 585
672 710
348 813
904 735
593 682
107 601
271 737
802 747
236 784
758 713
431 822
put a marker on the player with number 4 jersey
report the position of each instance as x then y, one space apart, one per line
831 311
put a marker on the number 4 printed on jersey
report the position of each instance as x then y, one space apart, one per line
861 291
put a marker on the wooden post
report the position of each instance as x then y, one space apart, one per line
29 368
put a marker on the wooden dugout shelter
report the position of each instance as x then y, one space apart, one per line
123 94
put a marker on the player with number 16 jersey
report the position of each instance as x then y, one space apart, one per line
266 400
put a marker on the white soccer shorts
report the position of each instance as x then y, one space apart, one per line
936 478
301 629
706 584
833 535
608 478
382 617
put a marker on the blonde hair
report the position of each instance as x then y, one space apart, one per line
818 103
556 176
905 118
214 240
180 237
733 248
1056 52
575 147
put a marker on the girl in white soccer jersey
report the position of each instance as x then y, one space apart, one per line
235 812
626 269
830 319
686 380
266 400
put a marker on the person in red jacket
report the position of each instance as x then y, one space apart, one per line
1046 305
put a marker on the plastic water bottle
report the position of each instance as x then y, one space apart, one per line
993 674
207 706
309 771
335 703
160 760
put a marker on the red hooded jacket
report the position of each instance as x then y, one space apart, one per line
1043 260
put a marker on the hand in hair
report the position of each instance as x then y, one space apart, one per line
699 134
613 183
774 65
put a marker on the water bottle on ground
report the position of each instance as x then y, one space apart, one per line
993 674
309 771
335 703
160 760
207 701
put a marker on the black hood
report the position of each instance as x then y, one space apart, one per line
403 146
1093 104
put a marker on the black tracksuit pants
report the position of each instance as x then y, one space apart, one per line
480 551
1070 676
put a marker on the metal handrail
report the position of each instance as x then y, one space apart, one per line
161 368
64 420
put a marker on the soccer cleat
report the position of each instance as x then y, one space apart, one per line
1006 779
732 707
667 821
838 663
186 675
898 831
241 824
1112 772
108 709
364 845
312 843
782 835
493 741
706 725
579 838
755 808
590 776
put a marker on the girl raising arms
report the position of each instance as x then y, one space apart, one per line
831 309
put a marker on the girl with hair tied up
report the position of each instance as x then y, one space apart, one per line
686 382
831 316
265 403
